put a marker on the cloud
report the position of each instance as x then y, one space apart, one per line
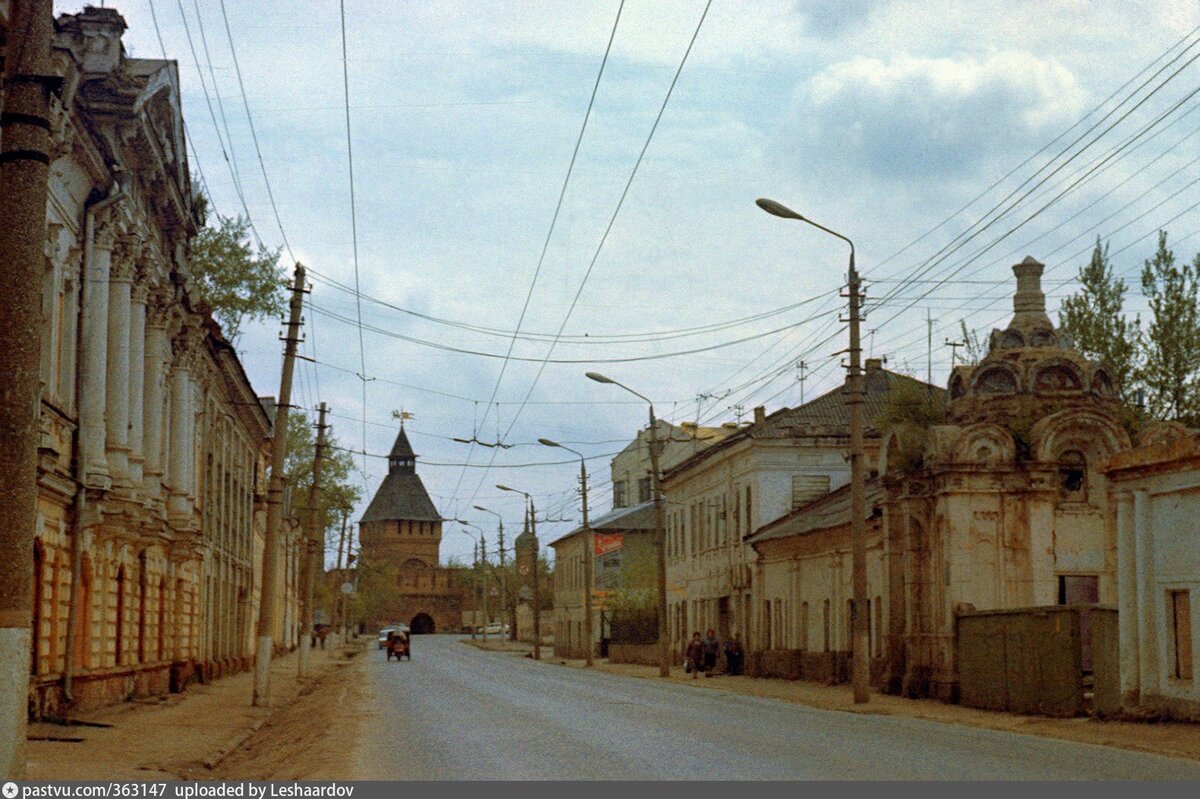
911 117
832 19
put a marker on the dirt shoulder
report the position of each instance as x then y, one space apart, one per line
209 731
1176 739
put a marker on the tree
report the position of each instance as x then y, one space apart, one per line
235 280
910 409
337 493
1094 320
1171 368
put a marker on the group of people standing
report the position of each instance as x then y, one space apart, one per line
702 653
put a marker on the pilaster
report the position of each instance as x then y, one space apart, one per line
94 354
117 395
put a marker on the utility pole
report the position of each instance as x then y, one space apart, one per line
855 398
483 586
24 168
589 557
860 673
537 591
341 602
801 368
928 347
313 551
664 643
474 587
954 345
506 610
270 567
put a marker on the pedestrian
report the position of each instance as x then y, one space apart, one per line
695 655
711 647
733 656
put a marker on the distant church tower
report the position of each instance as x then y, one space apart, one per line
402 535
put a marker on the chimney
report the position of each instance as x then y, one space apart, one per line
760 414
102 29
1029 303
874 364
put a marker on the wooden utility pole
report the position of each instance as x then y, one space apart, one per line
270 567
506 610
24 172
341 600
483 586
474 587
314 552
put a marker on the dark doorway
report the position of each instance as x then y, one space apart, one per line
1081 589
422 624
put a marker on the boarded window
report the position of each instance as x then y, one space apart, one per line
619 498
807 487
1181 623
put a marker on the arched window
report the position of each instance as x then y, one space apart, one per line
119 645
162 618
83 616
1072 476
142 592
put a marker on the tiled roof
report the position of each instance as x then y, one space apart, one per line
830 510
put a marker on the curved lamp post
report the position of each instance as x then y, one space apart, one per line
664 644
589 552
537 595
855 397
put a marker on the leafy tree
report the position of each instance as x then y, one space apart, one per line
1093 319
233 278
910 409
337 494
1171 369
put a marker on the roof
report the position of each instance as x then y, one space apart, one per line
830 510
827 415
638 517
402 449
401 495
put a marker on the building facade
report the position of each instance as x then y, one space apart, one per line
152 442
630 468
804 569
609 535
1156 493
761 473
401 534
1006 505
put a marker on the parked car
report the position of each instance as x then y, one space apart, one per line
496 628
383 636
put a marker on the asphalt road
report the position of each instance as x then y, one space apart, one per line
455 712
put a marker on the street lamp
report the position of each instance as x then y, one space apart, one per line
506 614
589 547
664 649
481 585
860 674
537 594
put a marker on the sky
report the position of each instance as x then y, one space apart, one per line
901 125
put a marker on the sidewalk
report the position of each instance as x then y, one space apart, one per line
179 736
1177 739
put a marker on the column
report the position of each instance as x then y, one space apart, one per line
1127 595
180 504
117 406
152 402
137 372
94 355
1147 595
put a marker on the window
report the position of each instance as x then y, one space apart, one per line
619 498
766 635
804 625
825 612
1078 589
1072 476
749 517
1180 606
644 489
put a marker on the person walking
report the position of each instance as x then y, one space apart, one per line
695 655
711 647
733 656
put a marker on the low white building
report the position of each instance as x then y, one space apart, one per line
1157 492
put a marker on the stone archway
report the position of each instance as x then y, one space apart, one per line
422 624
